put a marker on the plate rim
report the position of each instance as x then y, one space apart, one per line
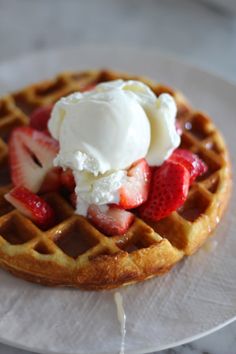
163 56
94 47
145 351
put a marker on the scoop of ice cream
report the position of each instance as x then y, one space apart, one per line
100 131
103 131
164 137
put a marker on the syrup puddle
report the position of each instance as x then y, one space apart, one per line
121 318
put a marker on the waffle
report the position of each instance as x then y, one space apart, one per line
73 252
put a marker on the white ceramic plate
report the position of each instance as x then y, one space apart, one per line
195 298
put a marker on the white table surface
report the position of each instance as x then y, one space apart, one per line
195 31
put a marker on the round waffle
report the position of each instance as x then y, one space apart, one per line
73 252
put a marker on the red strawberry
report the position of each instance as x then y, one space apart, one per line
67 180
192 162
88 87
52 181
135 190
168 191
32 206
73 199
112 220
31 156
39 118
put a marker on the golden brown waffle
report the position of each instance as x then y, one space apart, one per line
73 252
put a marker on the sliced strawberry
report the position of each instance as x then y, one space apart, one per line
52 181
67 180
168 191
39 118
46 132
73 199
88 87
192 162
31 155
135 190
110 220
31 205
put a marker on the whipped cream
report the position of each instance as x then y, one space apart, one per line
101 190
103 131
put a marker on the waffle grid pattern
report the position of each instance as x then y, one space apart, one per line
73 252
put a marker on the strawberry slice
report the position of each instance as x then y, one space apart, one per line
67 180
135 190
73 199
39 118
31 205
52 181
110 220
192 162
31 155
88 87
168 191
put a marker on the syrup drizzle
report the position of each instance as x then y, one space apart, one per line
121 318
